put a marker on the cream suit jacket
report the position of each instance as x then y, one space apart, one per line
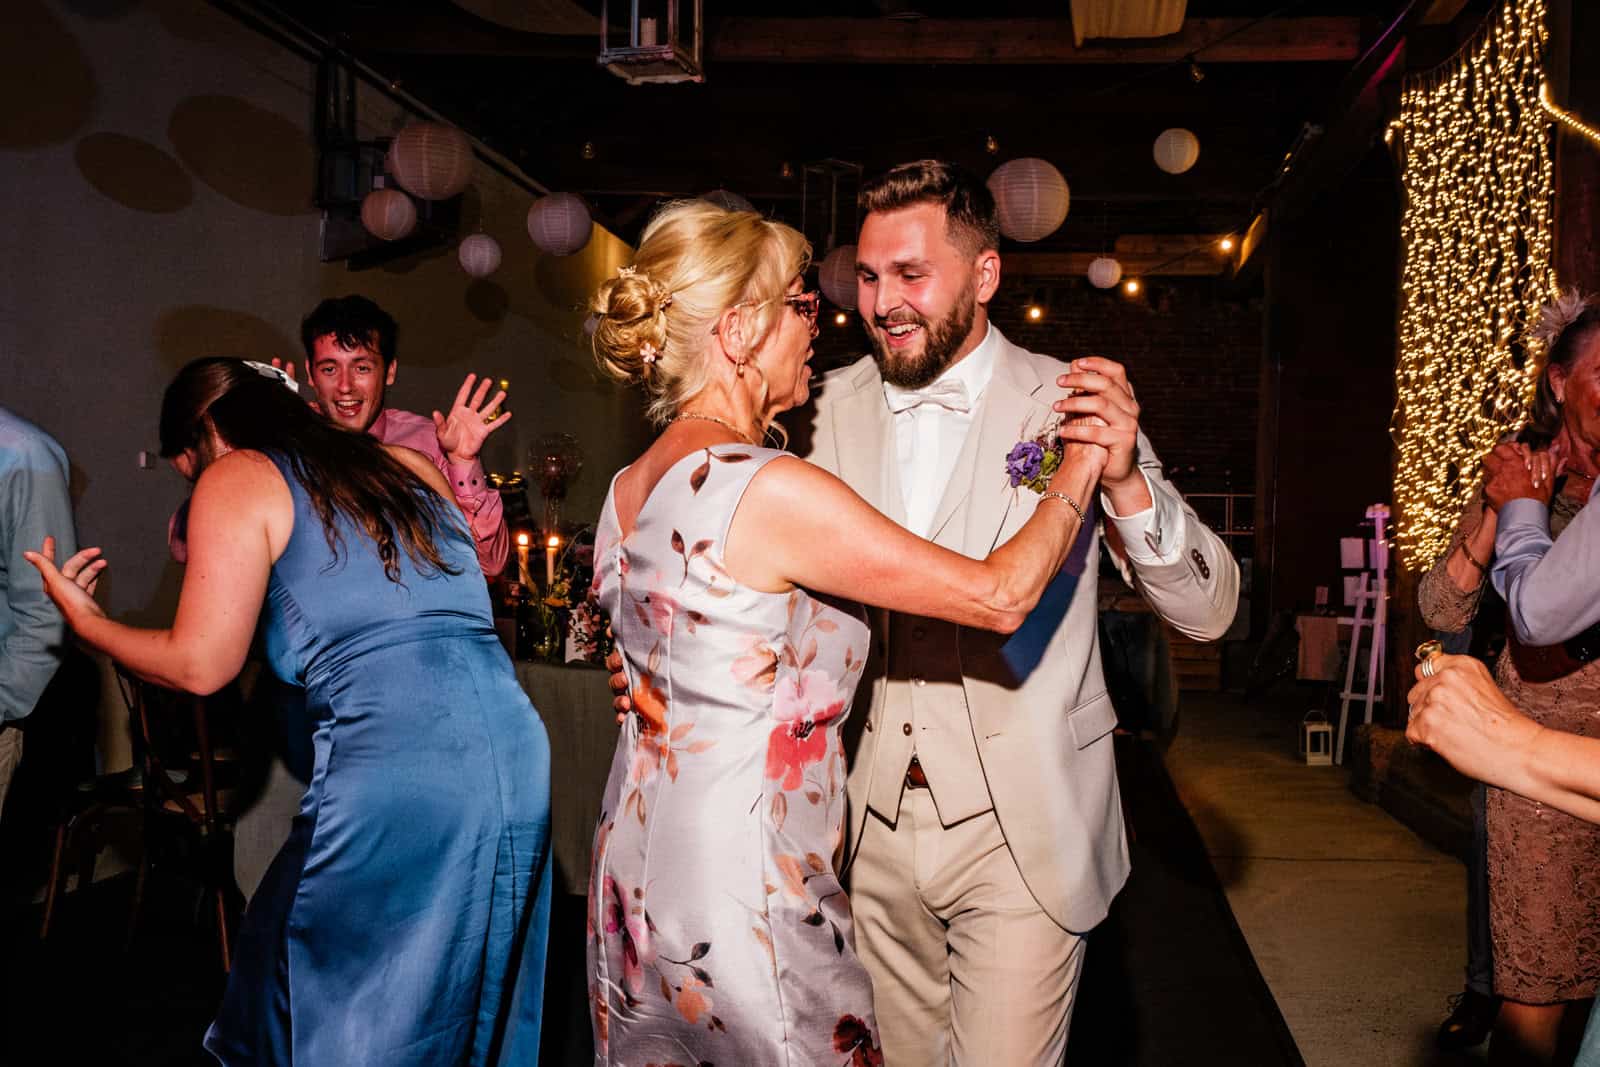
1036 700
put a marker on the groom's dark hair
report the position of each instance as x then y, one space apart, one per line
970 218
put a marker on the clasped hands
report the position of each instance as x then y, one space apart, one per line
1101 410
1513 471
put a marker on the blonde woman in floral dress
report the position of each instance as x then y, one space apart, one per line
719 931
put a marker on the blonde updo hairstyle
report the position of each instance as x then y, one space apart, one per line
695 261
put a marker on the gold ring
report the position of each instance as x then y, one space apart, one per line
1427 650
487 419
1427 667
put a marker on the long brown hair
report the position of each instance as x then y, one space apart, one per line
343 472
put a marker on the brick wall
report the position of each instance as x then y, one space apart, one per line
1192 349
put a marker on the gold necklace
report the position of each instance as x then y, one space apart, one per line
712 418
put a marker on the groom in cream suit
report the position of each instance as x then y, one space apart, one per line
985 828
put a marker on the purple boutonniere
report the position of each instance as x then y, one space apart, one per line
1033 460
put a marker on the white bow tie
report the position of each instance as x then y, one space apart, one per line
950 394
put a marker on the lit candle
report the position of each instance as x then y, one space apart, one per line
550 562
522 561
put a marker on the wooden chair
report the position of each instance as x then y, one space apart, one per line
187 794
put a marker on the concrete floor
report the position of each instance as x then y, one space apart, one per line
1357 924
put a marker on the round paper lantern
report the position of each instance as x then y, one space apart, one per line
728 200
430 160
837 276
388 214
559 224
1176 150
1104 272
479 255
1031 198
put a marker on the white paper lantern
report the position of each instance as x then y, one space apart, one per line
837 276
388 214
1104 272
1176 150
559 224
430 160
728 200
479 255
1031 198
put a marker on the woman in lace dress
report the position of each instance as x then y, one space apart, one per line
1544 866
719 931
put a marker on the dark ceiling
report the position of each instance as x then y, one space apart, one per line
539 99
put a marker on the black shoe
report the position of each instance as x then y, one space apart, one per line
1471 1018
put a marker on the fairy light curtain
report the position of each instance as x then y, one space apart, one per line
1475 156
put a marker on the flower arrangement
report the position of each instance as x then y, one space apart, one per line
1033 460
573 593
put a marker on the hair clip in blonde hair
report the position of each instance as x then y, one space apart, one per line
649 352
666 302
626 272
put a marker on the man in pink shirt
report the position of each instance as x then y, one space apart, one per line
350 363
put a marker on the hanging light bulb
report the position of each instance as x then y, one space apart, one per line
786 170
1035 309
1131 286
840 318
587 152
990 145
1226 244
1196 75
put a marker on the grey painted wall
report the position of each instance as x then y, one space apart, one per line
157 161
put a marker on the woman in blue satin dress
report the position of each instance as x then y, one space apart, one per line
405 921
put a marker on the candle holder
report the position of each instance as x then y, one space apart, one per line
555 461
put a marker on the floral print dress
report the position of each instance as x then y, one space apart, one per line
718 931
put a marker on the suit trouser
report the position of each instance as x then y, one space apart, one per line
10 756
966 968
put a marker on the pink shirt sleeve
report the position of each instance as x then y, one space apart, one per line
477 498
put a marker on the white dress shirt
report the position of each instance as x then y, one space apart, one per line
930 436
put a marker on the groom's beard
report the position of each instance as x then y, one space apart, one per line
940 342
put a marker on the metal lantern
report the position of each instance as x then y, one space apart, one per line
659 42
1031 198
388 214
1176 150
1104 272
559 224
479 255
728 200
430 160
837 277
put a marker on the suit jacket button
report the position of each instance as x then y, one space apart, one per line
905 728
869 726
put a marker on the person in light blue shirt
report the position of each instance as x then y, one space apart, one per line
33 502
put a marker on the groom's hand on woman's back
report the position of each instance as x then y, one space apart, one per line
619 686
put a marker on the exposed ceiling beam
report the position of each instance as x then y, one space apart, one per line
1021 40
1443 11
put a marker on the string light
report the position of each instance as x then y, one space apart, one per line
840 318
1566 118
1131 286
1226 244
1476 165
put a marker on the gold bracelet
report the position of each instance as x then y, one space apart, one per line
1465 551
1051 494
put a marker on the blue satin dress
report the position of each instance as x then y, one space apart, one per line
406 919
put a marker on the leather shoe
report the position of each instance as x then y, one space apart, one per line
1471 1018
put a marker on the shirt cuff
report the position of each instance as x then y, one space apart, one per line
1153 536
467 482
1524 511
